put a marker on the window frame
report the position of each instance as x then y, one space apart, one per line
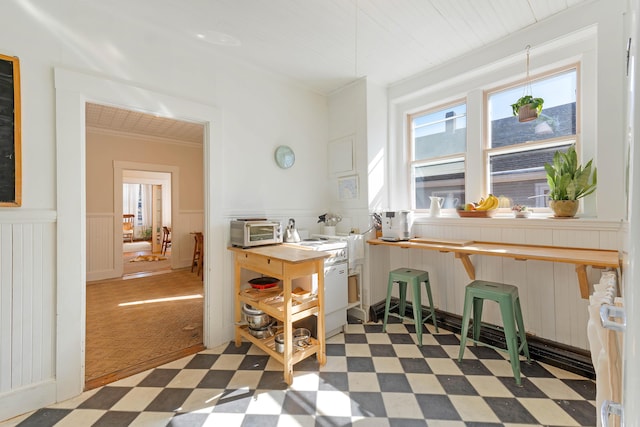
488 152
449 158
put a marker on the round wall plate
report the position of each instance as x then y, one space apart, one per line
285 158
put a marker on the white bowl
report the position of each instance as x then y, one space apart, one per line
522 214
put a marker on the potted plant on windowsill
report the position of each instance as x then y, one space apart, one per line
527 108
569 182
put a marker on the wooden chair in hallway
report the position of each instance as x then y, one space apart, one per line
198 253
127 227
166 239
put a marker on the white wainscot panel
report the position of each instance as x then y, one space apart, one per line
27 321
100 250
549 292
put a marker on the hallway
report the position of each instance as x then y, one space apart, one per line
140 322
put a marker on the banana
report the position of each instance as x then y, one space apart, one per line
489 203
483 204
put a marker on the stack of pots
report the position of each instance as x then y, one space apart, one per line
259 322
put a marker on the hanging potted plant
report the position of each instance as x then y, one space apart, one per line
527 108
569 182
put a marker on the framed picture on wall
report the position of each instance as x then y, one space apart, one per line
341 156
348 188
10 148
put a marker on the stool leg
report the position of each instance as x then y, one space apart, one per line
521 331
195 254
477 317
417 310
466 312
427 286
403 298
387 305
511 338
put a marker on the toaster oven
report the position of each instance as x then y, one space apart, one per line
246 233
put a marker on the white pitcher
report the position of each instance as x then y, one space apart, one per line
436 204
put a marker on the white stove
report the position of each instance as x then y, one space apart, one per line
337 248
336 279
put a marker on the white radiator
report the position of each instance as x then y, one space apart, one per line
604 330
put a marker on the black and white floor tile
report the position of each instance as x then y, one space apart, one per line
370 379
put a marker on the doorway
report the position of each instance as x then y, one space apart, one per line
146 313
147 196
73 90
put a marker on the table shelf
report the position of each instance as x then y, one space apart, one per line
284 263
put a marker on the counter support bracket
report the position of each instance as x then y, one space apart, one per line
583 281
468 265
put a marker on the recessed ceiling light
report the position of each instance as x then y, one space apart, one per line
216 37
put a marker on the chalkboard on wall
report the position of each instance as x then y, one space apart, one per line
10 153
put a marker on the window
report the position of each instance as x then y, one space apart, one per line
438 145
516 152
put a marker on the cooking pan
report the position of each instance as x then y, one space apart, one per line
263 282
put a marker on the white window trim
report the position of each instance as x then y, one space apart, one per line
471 84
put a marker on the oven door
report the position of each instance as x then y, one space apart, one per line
335 296
264 233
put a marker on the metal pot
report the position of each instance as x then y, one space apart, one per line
257 319
301 337
261 333
279 342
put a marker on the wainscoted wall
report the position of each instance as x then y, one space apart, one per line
27 308
101 258
100 250
550 297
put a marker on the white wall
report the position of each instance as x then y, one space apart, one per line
591 35
258 111
110 158
358 111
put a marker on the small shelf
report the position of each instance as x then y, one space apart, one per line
284 263
275 308
355 307
355 304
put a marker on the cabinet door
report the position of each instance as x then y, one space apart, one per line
335 288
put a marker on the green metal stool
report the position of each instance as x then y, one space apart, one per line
402 276
509 301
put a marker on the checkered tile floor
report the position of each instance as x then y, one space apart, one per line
371 378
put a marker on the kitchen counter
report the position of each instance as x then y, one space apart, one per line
462 249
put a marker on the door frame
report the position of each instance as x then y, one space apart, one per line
72 91
119 166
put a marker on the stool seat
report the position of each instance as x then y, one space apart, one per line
508 299
404 276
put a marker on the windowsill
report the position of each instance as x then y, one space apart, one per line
507 219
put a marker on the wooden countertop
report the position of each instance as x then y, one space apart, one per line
580 257
592 257
283 253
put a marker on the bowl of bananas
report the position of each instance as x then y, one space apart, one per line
485 208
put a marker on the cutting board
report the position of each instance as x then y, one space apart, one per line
439 241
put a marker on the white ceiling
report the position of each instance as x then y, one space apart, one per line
119 120
325 44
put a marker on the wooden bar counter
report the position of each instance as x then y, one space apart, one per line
462 249
285 263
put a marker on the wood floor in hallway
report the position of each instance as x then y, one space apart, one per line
141 322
